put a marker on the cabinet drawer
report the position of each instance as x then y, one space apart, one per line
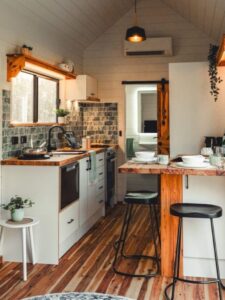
100 200
68 221
100 187
100 174
100 159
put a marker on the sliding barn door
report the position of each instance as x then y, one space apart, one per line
163 118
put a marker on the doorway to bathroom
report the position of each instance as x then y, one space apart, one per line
147 126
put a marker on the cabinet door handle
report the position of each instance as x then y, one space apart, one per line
101 187
70 221
87 161
100 173
101 201
101 159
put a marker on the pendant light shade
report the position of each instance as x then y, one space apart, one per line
135 34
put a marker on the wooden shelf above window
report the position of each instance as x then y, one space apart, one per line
221 53
17 62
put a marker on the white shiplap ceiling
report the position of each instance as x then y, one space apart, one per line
206 15
82 21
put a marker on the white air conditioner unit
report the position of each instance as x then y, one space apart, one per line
150 47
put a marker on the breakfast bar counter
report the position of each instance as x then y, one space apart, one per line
171 191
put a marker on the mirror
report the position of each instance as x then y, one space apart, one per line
147 111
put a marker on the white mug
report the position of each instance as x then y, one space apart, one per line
206 151
163 159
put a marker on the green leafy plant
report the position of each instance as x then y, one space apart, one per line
60 112
16 203
213 73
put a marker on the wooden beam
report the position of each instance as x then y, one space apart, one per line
171 192
15 64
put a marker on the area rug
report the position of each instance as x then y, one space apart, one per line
77 296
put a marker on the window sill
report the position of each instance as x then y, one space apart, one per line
34 124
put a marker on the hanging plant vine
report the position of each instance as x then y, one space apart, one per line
213 73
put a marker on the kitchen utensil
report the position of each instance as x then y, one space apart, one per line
203 165
145 154
64 67
206 151
163 159
34 153
193 159
144 160
210 141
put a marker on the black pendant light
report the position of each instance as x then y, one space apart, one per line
135 34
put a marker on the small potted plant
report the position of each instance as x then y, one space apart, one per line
16 207
61 114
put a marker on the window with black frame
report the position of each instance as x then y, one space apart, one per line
34 98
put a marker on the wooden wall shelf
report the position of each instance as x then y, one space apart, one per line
221 53
17 62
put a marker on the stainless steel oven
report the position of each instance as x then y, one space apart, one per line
110 176
69 184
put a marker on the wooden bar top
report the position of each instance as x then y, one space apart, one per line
172 168
55 160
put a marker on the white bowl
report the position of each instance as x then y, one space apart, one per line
193 159
145 154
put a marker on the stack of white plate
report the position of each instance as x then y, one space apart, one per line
193 161
144 157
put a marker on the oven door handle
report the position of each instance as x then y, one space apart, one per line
71 167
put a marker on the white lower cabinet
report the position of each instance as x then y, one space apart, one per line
57 230
90 196
83 208
68 221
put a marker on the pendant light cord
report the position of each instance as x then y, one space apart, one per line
135 12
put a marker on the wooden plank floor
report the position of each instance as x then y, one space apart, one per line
87 267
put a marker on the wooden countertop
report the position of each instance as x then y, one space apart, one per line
135 168
55 160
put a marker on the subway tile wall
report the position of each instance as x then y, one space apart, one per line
98 120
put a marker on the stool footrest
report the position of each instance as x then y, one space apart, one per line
136 275
197 281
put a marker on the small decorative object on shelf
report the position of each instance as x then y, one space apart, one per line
61 114
213 73
16 207
26 50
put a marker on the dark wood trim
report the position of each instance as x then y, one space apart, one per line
35 98
163 80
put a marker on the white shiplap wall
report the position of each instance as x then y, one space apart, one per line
19 26
104 58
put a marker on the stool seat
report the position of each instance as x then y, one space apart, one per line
141 198
194 210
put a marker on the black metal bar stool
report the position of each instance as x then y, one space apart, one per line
131 199
201 211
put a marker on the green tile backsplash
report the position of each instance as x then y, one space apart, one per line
98 120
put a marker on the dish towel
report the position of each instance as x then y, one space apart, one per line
130 147
92 172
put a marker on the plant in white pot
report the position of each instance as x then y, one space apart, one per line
61 114
16 207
